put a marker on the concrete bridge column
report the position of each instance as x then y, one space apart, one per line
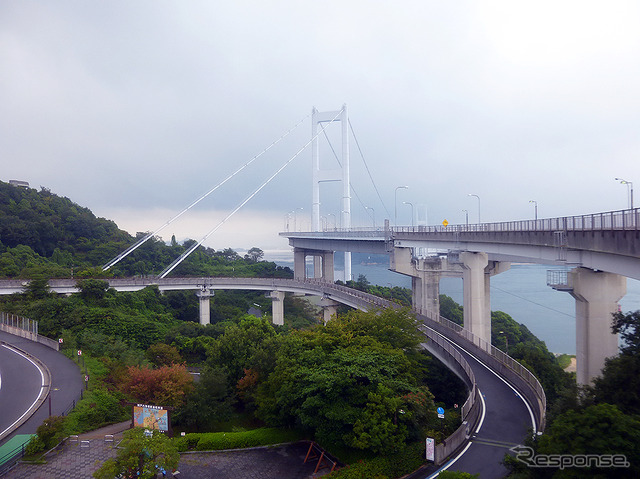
475 294
329 308
425 286
327 266
204 296
299 264
277 307
317 266
425 278
597 295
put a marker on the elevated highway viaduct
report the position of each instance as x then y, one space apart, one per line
594 255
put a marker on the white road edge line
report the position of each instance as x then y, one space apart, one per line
33 404
484 409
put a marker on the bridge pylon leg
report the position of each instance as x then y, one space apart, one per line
597 295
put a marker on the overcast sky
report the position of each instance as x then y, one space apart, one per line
136 108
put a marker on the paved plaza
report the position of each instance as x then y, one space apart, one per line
79 459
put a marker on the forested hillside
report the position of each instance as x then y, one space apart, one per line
42 233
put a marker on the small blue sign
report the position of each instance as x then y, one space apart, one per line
440 410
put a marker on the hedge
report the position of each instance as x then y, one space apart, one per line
214 441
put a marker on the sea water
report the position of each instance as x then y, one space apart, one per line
521 292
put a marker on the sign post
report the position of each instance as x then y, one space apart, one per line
430 449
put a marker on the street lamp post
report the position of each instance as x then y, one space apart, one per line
471 194
395 204
334 220
535 203
295 218
410 204
506 338
373 214
629 190
466 216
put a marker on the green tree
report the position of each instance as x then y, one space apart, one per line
210 403
161 354
92 289
628 325
141 454
38 288
598 429
619 383
451 310
344 381
377 427
254 255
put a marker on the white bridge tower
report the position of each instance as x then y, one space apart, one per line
340 173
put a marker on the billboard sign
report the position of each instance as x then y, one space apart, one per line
151 417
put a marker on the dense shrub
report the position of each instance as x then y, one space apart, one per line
403 462
214 441
97 409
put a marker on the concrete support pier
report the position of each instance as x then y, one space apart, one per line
425 278
329 308
597 295
323 266
475 294
299 266
277 307
204 296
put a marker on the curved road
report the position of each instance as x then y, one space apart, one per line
67 384
506 422
21 383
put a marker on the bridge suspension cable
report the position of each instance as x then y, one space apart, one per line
144 239
193 247
335 155
375 187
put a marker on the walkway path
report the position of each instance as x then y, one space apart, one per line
80 459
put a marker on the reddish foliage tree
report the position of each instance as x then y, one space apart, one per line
165 386
247 383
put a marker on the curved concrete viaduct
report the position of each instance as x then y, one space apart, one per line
495 418
596 253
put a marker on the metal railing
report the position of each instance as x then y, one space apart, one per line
503 364
25 328
8 460
619 220
608 221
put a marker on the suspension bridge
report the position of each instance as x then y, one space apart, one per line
595 253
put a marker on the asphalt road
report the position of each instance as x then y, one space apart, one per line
20 385
19 382
506 422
